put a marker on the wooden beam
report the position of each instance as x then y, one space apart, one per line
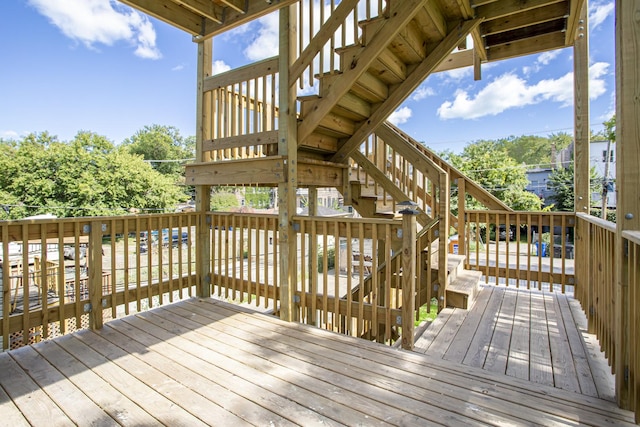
524 19
573 21
288 149
527 46
169 12
317 173
237 5
400 91
455 60
204 110
203 8
360 62
262 138
504 8
268 170
582 125
242 74
234 18
628 196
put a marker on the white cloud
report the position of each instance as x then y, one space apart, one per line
178 67
400 116
456 74
546 57
92 22
600 11
422 92
9 134
265 43
220 66
510 91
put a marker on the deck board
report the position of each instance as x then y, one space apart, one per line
205 362
526 334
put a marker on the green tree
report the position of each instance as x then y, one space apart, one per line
562 183
87 176
223 201
164 147
535 150
489 164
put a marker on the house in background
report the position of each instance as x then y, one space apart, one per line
539 183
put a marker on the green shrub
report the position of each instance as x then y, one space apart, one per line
331 260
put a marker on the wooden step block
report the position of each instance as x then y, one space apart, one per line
464 289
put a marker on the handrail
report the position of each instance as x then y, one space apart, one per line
632 236
503 246
482 195
603 223
319 40
323 30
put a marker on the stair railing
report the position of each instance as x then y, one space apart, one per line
323 29
244 112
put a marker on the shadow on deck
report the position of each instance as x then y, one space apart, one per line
205 362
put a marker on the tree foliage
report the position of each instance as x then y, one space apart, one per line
86 176
163 144
535 150
562 183
489 164
223 201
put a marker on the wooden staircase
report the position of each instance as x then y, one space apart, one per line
396 52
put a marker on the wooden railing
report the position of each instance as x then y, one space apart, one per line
244 112
244 258
341 286
127 264
522 249
397 171
323 31
631 319
612 303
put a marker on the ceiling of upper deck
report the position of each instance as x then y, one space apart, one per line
510 28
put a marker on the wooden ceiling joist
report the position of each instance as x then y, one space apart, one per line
505 8
525 19
205 8
169 12
527 46
557 25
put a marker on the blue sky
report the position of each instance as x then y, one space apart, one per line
71 65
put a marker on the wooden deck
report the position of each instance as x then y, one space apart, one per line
531 335
210 363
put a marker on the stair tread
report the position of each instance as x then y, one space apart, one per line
466 282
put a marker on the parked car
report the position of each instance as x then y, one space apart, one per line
502 233
70 252
176 239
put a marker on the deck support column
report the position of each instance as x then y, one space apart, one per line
287 147
627 184
203 192
408 273
95 276
581 153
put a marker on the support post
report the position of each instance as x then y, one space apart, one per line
287 147
461 226
443 235
581 119
408 272
95 275
627 184
203 192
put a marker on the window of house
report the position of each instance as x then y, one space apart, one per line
604 156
